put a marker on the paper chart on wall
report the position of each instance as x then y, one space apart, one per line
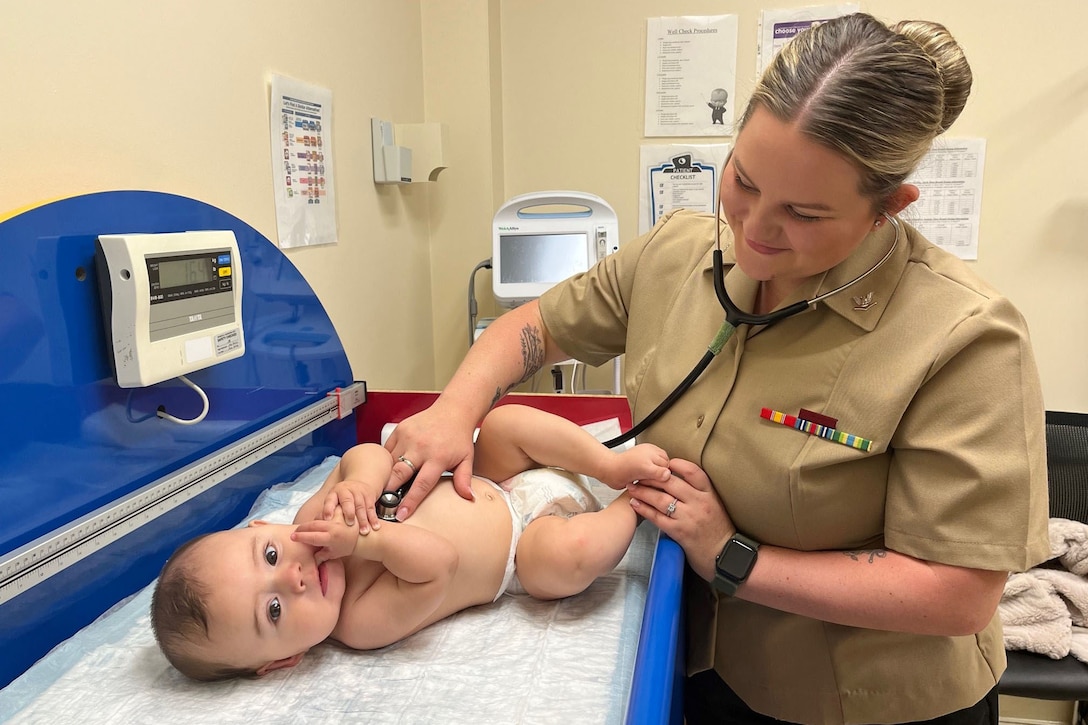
949 206
301 125
677 176
691 71
777 27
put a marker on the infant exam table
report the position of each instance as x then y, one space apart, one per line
96 492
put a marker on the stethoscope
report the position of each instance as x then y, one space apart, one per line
734 317
388 503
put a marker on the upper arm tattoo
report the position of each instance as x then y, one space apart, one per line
532 352
532 359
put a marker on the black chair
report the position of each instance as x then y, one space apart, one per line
1029 674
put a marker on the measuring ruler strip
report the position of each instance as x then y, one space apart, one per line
47 555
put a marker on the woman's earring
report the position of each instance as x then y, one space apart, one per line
877 224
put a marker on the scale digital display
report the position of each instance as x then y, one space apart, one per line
189 275
181 272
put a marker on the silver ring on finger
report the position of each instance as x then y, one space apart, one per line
406 462
671 509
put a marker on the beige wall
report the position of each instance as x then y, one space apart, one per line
172 96
462 77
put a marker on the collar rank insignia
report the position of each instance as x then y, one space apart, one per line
863 303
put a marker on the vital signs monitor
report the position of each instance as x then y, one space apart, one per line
172 303
544 237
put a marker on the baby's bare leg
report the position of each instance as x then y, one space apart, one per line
514 438
558 557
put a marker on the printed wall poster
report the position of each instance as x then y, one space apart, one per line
301 124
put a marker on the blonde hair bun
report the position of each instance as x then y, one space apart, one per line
950 60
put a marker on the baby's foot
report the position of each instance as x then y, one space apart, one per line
644 462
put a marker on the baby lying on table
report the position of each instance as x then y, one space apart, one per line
250 601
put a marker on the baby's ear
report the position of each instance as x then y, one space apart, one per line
258 522
280 664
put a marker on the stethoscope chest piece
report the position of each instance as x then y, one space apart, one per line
387 506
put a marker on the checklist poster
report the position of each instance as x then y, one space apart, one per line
678 176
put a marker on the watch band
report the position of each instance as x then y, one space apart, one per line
734 563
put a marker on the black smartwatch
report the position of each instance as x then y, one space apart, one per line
734 564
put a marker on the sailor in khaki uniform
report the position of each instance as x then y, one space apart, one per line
863 461
924 360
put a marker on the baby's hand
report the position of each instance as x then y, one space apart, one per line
334 539
357 500
644 462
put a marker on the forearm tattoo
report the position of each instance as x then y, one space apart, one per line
870 554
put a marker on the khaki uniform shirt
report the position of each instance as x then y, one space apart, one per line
921 357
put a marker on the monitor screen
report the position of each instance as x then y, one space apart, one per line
542 258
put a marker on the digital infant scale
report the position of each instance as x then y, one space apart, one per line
172 303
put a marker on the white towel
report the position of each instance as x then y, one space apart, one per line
1034 617
1046 610
1072 589
1069 544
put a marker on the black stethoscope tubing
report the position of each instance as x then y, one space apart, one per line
734 317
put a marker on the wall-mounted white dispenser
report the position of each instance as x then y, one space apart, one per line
408 152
